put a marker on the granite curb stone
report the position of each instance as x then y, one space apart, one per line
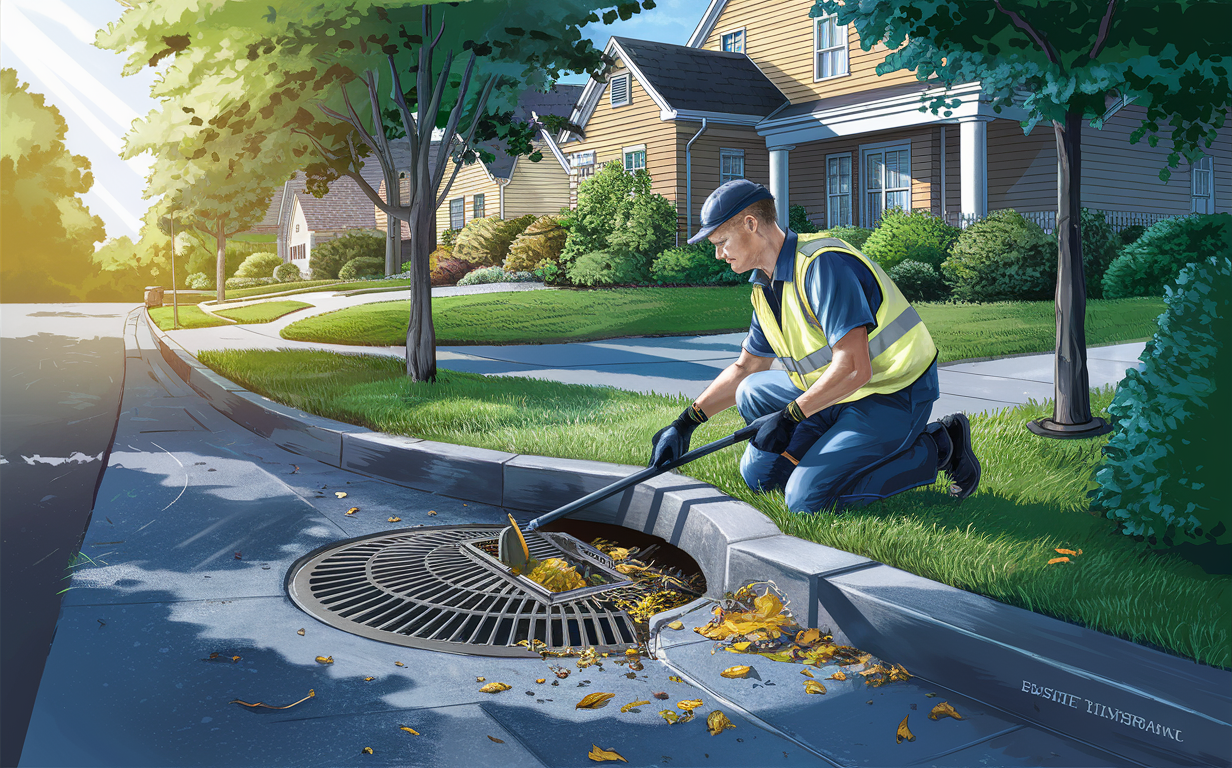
995 653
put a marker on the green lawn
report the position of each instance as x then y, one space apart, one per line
190 317
302 286
997 543
264 312
960 330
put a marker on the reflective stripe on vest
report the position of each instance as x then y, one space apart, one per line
900 348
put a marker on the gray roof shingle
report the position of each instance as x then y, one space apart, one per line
699 79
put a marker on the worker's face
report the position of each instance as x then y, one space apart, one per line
737 242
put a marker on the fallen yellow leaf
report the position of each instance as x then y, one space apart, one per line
594 700
688 705
837 676
234 659
633 705
431 511
480 679
812 686
367 750
325 659
741 646
675 679
395 520
340 494
944 710
311 693
733 673
369 679
717 722
604 755
498 741
352 510
669 715
541 680
300 633
1056 560
409 729
399 664
1068 552
903 732
494 688
806 673
676 625
807 636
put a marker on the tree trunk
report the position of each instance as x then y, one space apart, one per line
420 335
220 267
1071 416
393 229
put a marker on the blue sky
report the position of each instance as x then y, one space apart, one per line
50 44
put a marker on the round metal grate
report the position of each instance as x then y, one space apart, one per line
418 588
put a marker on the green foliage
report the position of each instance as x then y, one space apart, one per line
693 265
541 242
362 266
1164 476
448 238
485 275
1003 257
485 242
1173 64
199 281
613 267
855 236
1155 259
1130 234
599 200
1099 248
328 258
916 235
798 220
259 265
249 282
617 229
919 281
48 233
288 273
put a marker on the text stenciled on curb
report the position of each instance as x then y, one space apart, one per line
1101 710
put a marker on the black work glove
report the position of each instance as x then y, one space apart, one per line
672 441
774 434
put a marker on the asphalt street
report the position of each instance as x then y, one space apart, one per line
61 378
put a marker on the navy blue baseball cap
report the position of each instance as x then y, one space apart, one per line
726 201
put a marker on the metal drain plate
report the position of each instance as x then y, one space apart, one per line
418 588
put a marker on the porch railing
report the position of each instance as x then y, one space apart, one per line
1047 220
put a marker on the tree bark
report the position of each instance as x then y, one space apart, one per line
1070 380
393 227
220 267
420 334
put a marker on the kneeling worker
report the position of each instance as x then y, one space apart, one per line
847 421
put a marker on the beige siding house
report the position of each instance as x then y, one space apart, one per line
304 221
763 91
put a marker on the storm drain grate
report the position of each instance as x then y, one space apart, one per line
424 588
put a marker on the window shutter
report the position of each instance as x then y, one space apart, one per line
618 92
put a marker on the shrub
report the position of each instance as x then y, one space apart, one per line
1130 234
612 267
919 281
541 242
902 231
248 282
485 275
798 220
1156 258
855 236
199 281
1099 248
692 265
1164 473
434 258
362 266
449 271
259 265
1003 257
599 198
328 258
448 238
485 242
288 273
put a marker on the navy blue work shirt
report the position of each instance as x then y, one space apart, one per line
843 294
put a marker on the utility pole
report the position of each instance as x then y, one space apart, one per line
175 300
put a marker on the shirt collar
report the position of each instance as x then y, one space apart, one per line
785 266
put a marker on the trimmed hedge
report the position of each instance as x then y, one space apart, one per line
485 275
798 220
1099 248
328 258
248 282
916 235
1156 258
918 281
693 265
288 273
199 281
362 266
259 265
485 242
1003 257
541 242
1164 475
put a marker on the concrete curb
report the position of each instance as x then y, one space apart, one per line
1142 704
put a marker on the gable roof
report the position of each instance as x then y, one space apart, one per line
345 206
706 25
269 223
688 83
558 101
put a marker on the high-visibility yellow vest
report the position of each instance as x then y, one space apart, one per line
899 348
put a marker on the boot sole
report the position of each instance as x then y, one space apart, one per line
969 453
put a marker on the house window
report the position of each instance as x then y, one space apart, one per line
477 207
583 165
618 91
838 190
830 48
457 213
298 252
733 42
731 165
1201 184
886 181
635 158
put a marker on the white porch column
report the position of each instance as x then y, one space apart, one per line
973 165
778 181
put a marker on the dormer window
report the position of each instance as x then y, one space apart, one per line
619 90
733 42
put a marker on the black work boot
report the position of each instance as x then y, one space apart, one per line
963 467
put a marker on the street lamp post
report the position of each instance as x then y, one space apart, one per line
175 300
